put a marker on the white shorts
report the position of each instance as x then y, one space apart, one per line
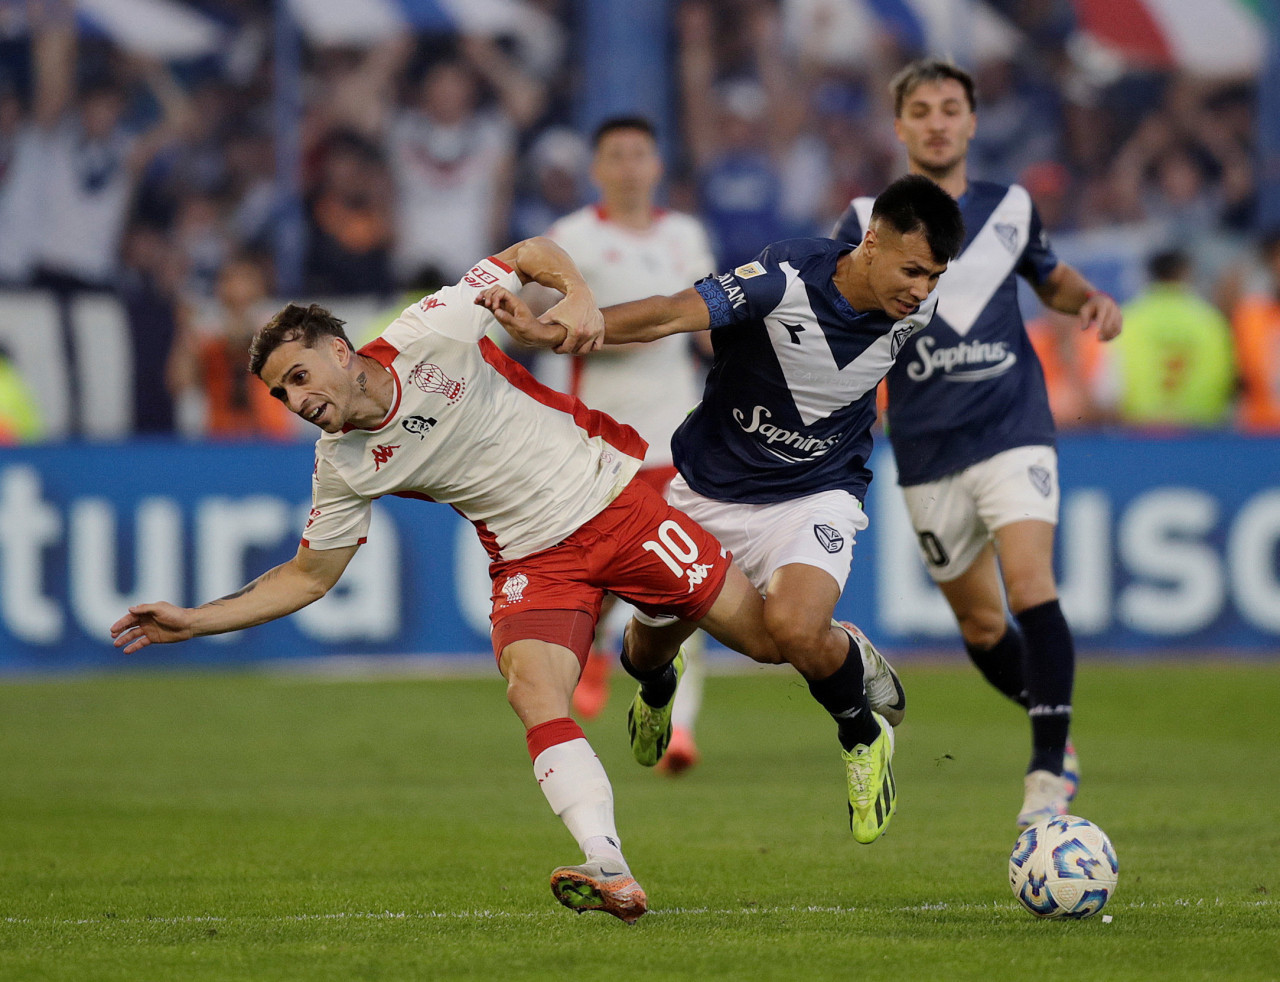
955 517
816 530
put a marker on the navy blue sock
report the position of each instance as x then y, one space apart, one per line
841 694
1049 670
1001 664
657 687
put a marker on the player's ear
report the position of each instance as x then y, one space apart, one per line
870 242
342 351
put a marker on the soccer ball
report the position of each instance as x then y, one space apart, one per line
1063 867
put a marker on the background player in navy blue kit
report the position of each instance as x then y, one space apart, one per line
774 457
971 429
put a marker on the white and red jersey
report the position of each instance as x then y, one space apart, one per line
471 428
650 386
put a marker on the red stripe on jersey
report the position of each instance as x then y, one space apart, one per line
594 422
500 264
487 538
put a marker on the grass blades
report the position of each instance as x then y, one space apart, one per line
240 826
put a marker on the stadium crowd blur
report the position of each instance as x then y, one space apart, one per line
156 184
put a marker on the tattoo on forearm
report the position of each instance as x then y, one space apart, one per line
248 588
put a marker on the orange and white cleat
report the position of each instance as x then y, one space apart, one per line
593 887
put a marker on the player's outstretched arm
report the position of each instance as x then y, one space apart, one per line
656 317
305 578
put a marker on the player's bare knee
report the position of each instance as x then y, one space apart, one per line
800 642
982 628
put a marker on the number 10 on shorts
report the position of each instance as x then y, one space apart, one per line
674 548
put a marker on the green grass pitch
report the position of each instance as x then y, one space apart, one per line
244 826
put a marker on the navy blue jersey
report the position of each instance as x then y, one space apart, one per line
790 397
970 386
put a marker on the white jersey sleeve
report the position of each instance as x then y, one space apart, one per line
452 310
339 516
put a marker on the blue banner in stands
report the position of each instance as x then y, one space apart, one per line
1166 545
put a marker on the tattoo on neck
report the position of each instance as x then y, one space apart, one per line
362 380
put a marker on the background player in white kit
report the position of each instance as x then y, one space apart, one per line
972 433
432 409
628 248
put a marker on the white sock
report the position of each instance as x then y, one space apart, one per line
684 711
578 791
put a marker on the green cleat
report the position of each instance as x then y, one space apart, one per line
873 795
650 728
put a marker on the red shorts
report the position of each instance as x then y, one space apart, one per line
639 548
658 477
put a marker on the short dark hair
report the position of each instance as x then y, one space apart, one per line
310 325
916 204
1169 265
615 123
929 70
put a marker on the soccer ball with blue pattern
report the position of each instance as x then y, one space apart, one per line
1063 867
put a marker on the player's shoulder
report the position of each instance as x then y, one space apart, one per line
989 194
575 223
680 222
800 251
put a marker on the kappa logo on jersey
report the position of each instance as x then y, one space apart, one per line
812 446
733 293
1008 236
430 378
968 361
418 426
514 588
831 540
748 271
479 277
382 453
1041 480
431 303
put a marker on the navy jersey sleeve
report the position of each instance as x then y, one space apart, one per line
848 226
1038 259
745 294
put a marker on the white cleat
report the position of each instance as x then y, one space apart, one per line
881 682
1047 796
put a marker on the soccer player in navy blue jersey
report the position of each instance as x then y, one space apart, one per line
774 458
971 430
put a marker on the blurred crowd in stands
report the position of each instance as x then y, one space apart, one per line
157 184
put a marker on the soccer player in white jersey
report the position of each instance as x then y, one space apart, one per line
972 433
432 409
628 248
774 458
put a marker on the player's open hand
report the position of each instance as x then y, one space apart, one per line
158 623
1100 310
582 321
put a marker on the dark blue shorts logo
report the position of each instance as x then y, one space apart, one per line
831 540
